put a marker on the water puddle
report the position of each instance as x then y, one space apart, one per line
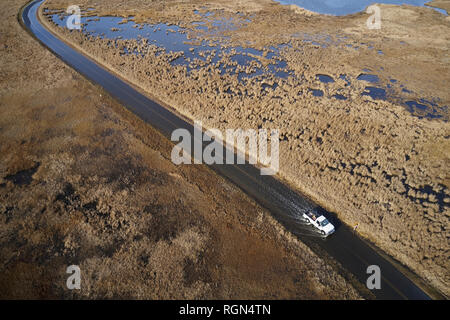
368 77
317 92
324 78
375 93
339 97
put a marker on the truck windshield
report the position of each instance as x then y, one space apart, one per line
324 223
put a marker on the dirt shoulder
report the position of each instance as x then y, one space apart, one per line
373 161
84 182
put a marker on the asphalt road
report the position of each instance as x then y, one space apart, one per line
286 205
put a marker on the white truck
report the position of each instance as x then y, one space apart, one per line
320 222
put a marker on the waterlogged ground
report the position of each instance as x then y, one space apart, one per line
189 48
183 43
362 114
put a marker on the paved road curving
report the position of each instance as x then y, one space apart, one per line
354 254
